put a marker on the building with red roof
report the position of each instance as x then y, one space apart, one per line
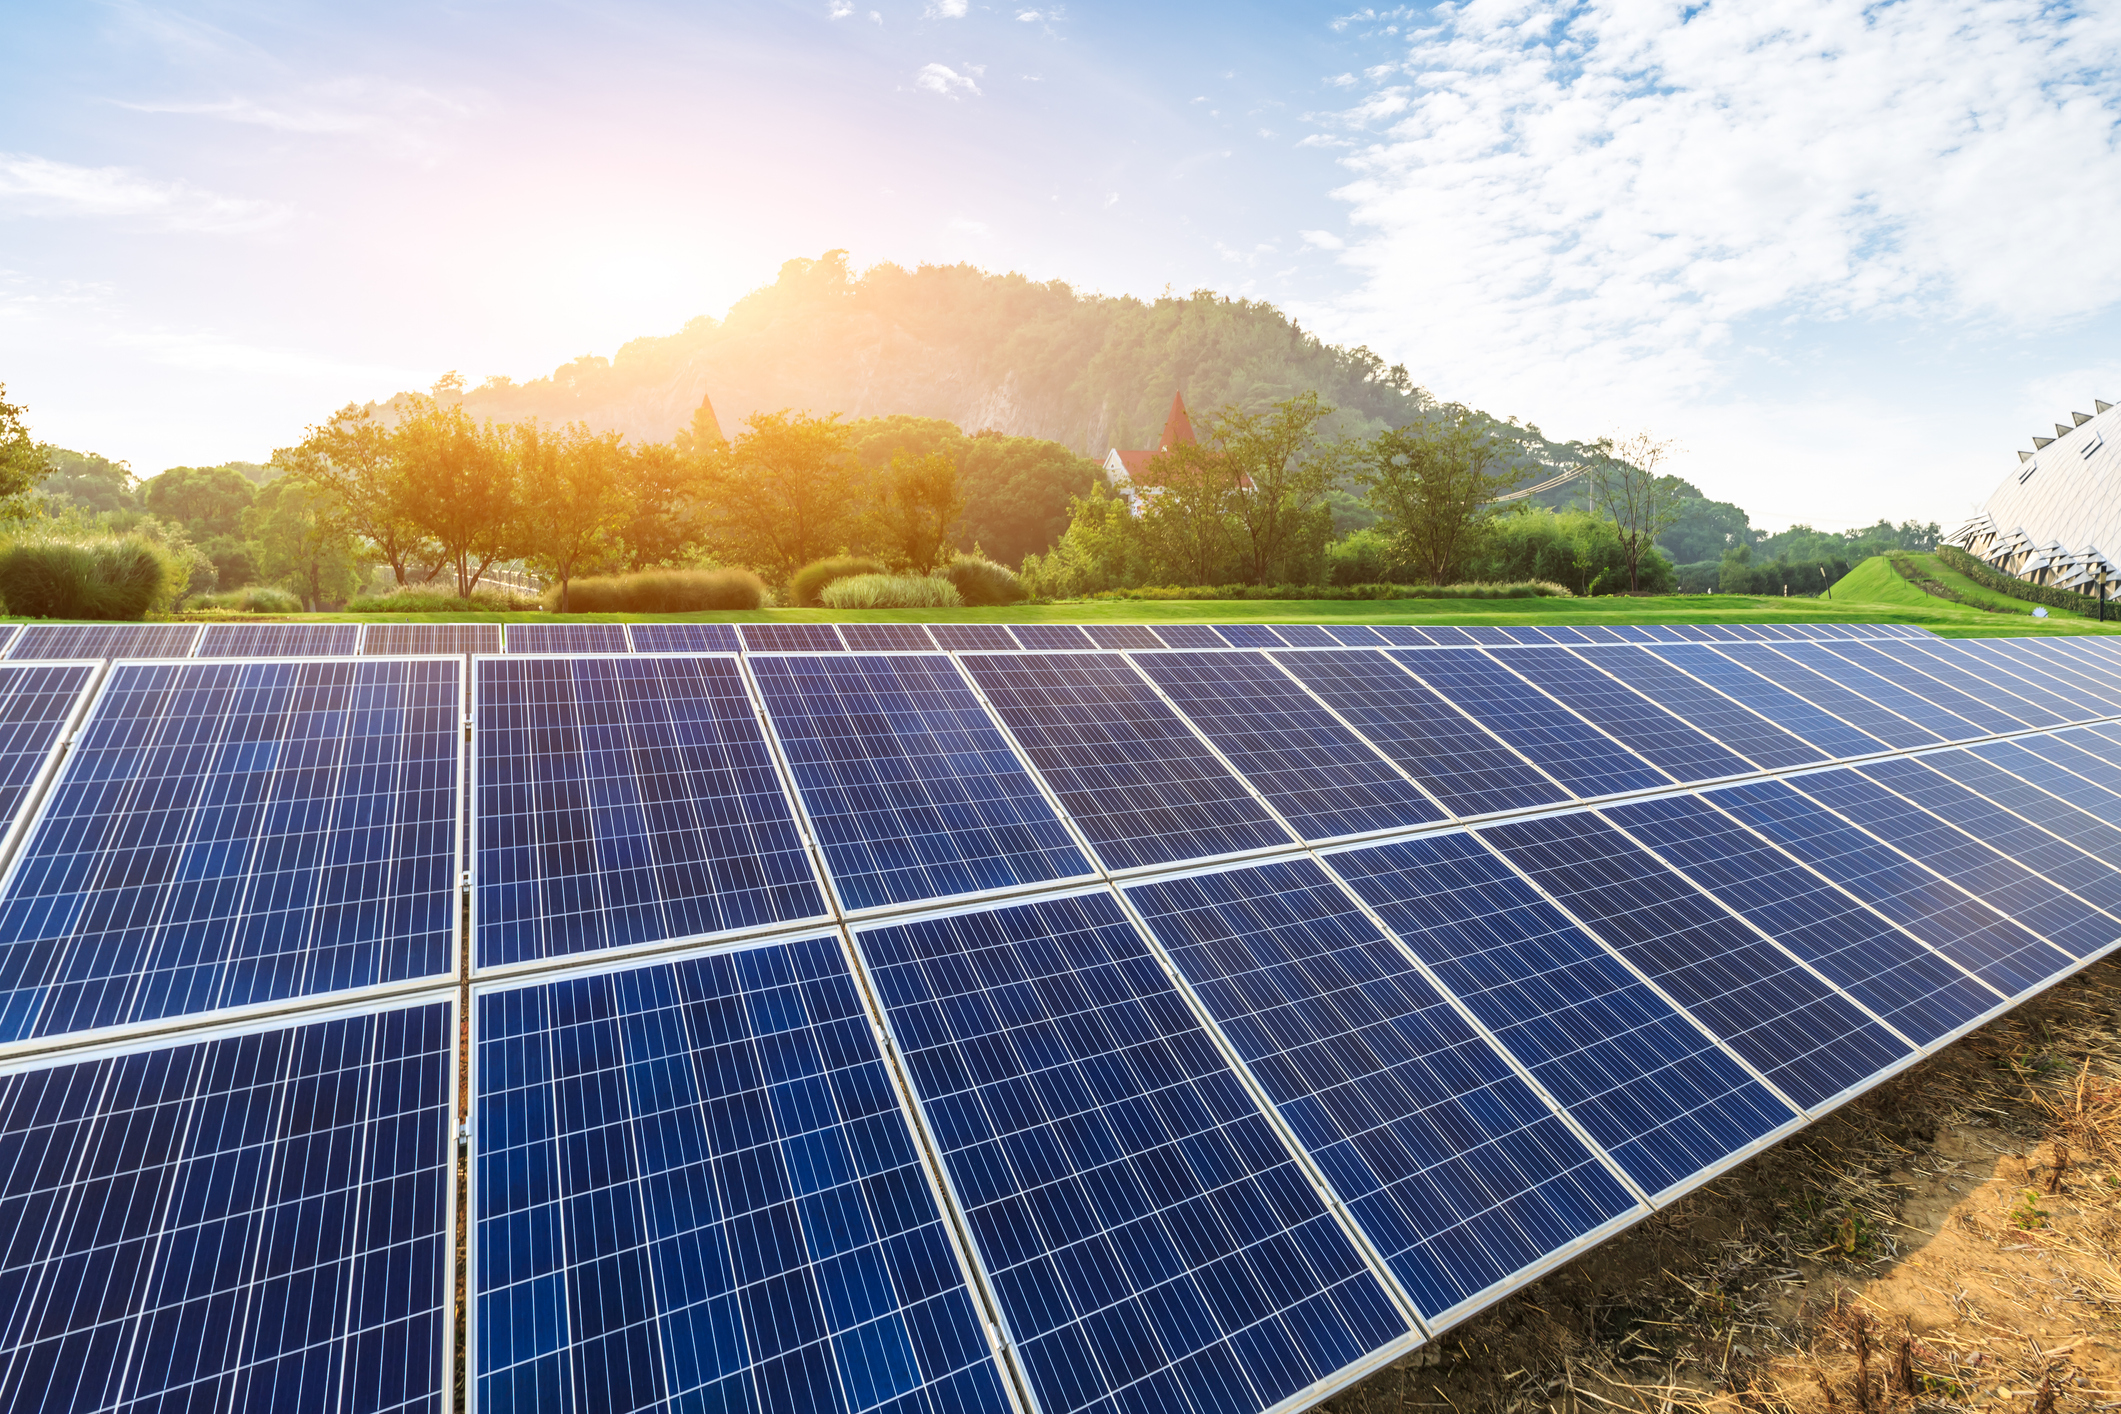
1128 471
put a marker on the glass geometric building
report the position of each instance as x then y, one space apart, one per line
2056 520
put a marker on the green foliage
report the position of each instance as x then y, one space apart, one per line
1704 529
208 501
1741 573
1989 577
1433 483
88 482
1533 589
1641 502
1101 550
112 577
891 591
1363 556
426 599
983 583
304 546
235 562
1017 489
788 491
23 463
1801 542
665 592
918 505
1573 548
256 599
807 583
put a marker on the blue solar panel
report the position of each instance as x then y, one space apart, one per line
1641 1079
568 638
226 834
36 703
911 790
1525 633
1912 988
2081 753
1460 763
972 638
1050 637
389 639
1787 710
1578 755
1122 636
1882 688
1652 733
1407 636
1132 775
1306 636
104 641
1190 636
882 638
2080 659
2015 817
790 638
254 1221
1484 634
1250 636
278 640
1956 924
1322 778
1935 681
1808 1040
1354 635
1559 633
684 638
1828 694
1983 676
1631 633
1455 1168
696 1190
2090 783
1756 739
623 801
1599 633
2067 678
1151 1243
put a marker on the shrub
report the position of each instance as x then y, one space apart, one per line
252 599
427 599
891 591
810 581
983 582
116 577
662 592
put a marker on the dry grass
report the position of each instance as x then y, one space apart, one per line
1947 1243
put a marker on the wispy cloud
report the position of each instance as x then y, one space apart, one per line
942 79
944 10
398 117
38 186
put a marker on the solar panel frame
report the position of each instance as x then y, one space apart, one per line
684 638
1965 690
1834 738
80 642
1355 635
574 639
2059 676
1408 636
1739 728
395 640
1780 666
797 637
1189 635
1915 695
2011 683
1250 635
1306 636
279 640
26 771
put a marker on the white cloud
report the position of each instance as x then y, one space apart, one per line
38 186
1029 17
840 9
1323 240
942 79
944 10
1342 81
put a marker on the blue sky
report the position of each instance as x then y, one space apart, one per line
1847 256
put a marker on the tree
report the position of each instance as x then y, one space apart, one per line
571 495
1434 484
1188 524
23 463
208 501
1017 493
458 487
1628 490
1283 468
666 513
1704 529
304 543
360 463
89 482
918 507
788 492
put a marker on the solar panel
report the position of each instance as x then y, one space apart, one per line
1649 1088
1135 779
398 640
696 1189
685 638
2063 677
1560 633
1484 634
37 701
2048 764
1759 741
1806 1039
886 638
1150 1242
2076 658
1829 695
568 638
1785 709
1354 635
1453 1167
227 834
1052 637
911 790
1599 633
790 638
1458 761
1306 636
1407 636
2082 753
1948 686
8 633
2013 818
1631 633
1979 675
278 640
1888 687
77 641
1122 636
257 1220
1525 633
622 801
1190 636
1583 759
1250 636
972 638
1323 779
1660 738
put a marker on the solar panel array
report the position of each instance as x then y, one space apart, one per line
959 1017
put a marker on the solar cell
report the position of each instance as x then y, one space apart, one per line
790 638
1697 633
37 701
257 1220
1122 636
1048 637
912 791
103 641
1641 1079
2081 753
1459 762
686 638
1322 778
1306 636
1993 680
1909 986
226 834
1889 687
1485 634
2045 763
8 633
1792 713
383 640
696 1189
1759 741
1560 633
1659 737
2079 657
1354 635
1583 759
1951 686
1829 695
1453 1167
1524 633
972 638
1631 633
1808 1040
1150 1242
1406 635
1250 636
885 638
625 801
278 640
568 638
1952 921
1190 636
1131 774
2091 695
1598 633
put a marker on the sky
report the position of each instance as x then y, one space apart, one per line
1846 257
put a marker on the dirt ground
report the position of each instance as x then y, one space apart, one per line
1947 1242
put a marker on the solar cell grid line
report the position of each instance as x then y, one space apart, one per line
791 638
2071 924
883 638
1122 636
1584 760
1912 988
1820 728
1486 634
2008 683
1320 777
255 1218
2055 656
2060 675
1724 719
1661 1098
1408 636
567 638
1525 633
1632 633
695 1187
38 703
1250 635
2083 756
1598 633
1049 637
2041 791
622 802
1661 738
74 642
1126 768
1694 633
1306 636
686 638
911 790
1189 636
1150 1241
1457 1171
1863 669
1979 699
1558 633
278 640
1779 664
231 834
973 638
1459 762
1805 1038
8 634
1961 927
401 640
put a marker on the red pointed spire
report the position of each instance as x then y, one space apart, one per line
1177 427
